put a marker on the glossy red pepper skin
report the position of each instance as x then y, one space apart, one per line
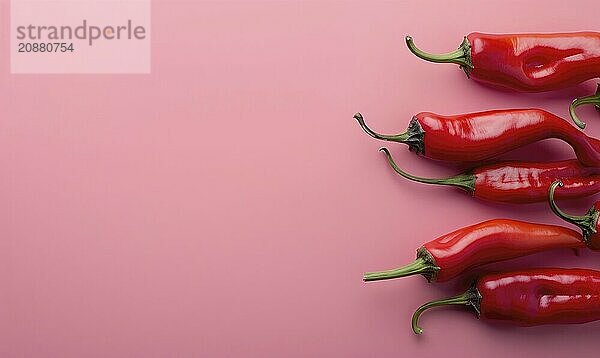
535 62
517 182
530 297
490 241
525 62
521 182
493 241
474 137
541 296
478 136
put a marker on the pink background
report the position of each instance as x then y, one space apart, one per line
227 204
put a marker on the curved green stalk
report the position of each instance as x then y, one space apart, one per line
464 181
593 99
470 298
587 222
419 266
400 138
461 56
413 137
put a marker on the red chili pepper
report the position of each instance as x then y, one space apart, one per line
474 137
593 99
518 182
490 241
525 62
588 223
531 297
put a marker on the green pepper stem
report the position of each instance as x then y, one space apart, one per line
419 266
400 138
587 222
461 56
414 136
470 298
465 182
593 99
